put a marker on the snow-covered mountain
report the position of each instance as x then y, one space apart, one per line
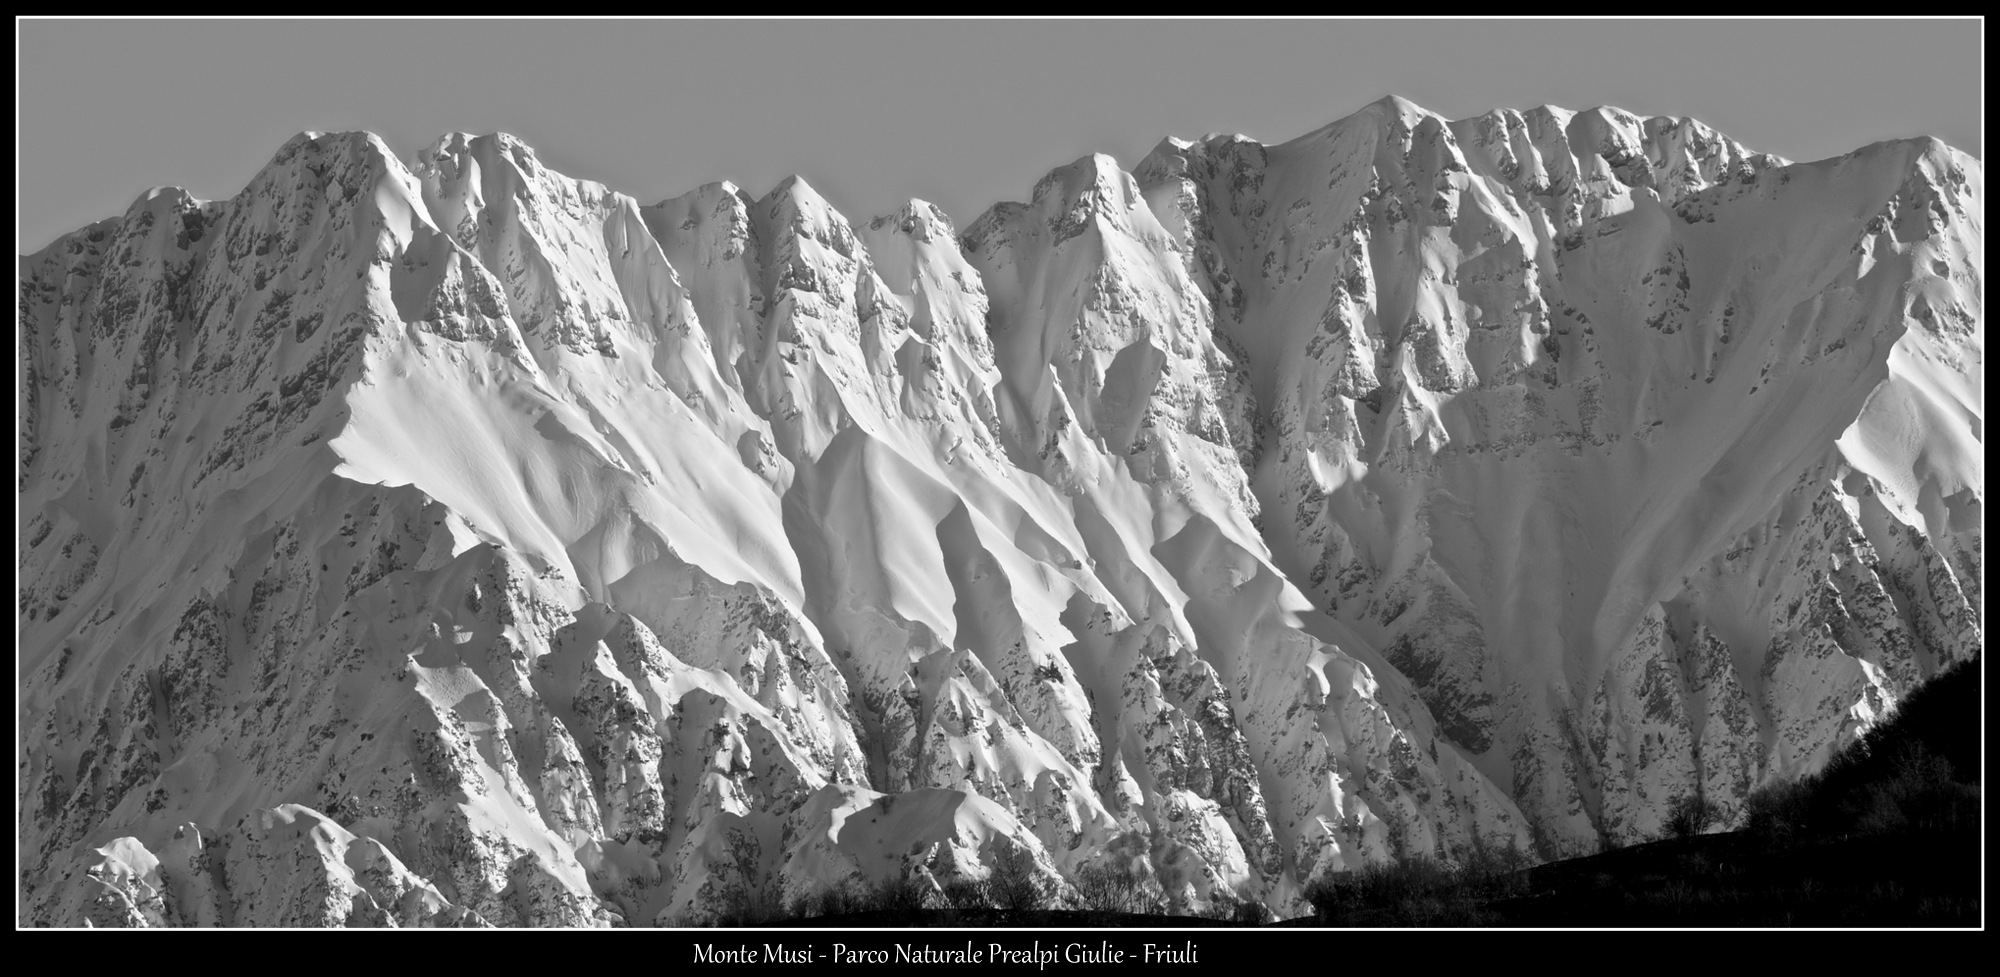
448 541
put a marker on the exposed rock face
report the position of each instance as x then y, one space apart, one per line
451 542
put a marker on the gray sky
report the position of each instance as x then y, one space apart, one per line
874 112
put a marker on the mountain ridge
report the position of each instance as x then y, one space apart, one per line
735 519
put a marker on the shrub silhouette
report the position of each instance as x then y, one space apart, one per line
1898 810
842 898
1919 794
1421 890
901 897
1109 887
749 905
1492 870
1916 771
1779 810
1407 888
1691 814
1013 885
1251 913
965 894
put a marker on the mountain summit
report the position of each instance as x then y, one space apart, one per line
447 541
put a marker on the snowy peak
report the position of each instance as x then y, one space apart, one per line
1388 113
708 237
1397 108
357 167
920 219
717 214
794 210
227 324
453 149
1550 150
1095 175
916 252
582 273
1070 198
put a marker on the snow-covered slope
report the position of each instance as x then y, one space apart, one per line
449 541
